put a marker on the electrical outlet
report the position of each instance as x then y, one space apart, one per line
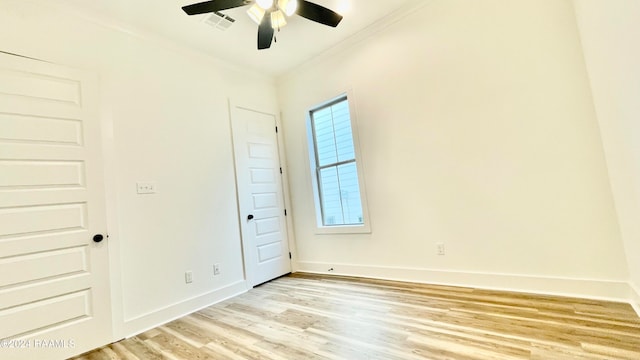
146 187
216 269
188 277
440 248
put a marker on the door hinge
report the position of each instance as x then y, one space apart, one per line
289 254
280 170
285 212
276 129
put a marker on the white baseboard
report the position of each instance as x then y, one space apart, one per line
169 313
583 288
592 289
635 298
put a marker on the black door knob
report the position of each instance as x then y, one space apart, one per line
98 237
250 217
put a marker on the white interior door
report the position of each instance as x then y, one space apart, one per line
260 193
54 285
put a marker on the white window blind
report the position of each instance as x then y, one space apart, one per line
336 170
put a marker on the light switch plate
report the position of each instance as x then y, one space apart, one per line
146 187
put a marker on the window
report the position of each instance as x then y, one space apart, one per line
337 185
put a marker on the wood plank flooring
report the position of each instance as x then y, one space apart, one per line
305 316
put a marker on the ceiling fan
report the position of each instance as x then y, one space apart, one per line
270 14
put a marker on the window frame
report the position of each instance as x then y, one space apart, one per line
365 227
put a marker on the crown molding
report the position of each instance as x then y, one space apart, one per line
360 36
150 37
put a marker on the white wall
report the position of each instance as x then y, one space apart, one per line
491 130
610 33
165 118
477 129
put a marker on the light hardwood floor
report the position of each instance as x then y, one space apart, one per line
319 317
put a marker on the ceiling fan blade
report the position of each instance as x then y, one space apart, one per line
213 5
265 32
319 14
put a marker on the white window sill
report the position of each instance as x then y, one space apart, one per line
343 229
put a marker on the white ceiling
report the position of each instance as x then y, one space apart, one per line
300 40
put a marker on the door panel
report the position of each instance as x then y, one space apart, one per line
54 284
260 194
40 129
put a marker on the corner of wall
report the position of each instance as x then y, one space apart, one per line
635 297
611 61
167 314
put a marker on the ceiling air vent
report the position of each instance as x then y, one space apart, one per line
219 20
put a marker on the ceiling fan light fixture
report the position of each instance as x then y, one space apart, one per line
256 13
278 19
288 6
265 4
276 10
